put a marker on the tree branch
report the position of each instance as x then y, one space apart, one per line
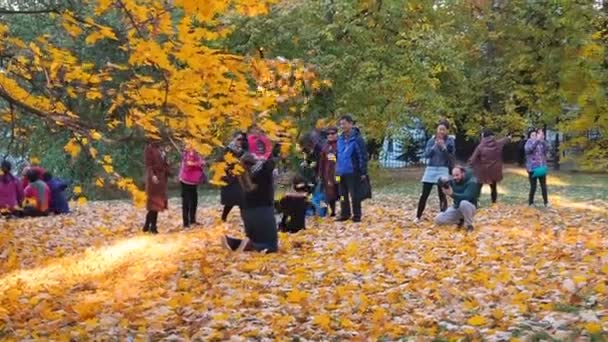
41 11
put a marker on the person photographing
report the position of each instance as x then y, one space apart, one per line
464 190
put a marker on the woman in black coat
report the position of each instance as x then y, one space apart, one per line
232 193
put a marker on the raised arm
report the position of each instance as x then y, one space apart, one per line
531 146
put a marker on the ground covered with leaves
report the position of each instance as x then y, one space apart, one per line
524 273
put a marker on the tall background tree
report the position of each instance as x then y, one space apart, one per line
82 85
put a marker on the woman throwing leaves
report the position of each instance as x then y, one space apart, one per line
257 209
439 152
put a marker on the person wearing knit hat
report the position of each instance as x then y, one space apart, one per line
486 161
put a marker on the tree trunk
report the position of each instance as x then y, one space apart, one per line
557 152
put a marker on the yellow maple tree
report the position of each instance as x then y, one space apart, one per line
170 80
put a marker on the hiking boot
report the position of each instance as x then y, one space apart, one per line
342 219
460 223
356 219
470 228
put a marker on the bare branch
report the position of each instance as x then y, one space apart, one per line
40 11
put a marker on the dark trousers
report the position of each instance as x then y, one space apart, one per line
426 191
494 191
332 207
189 203
226 211
349 191
151 220
543 187
33 212
261 229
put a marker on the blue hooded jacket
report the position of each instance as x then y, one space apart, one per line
352 154
59 204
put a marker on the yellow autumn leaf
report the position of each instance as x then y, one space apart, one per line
323 321
93 152
477 321
498 314
108 168
81 200
99 182
73 148
77 190
95 135
296 296
93 38
593 327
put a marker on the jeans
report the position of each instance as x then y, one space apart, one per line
349 191
465 211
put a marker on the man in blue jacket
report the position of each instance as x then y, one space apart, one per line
351 169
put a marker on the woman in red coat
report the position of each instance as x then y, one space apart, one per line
157 174
327 169
487 161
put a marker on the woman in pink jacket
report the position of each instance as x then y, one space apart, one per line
191 174
11 192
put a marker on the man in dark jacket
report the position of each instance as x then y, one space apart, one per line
351 168
464 190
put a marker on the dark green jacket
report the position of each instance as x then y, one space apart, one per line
465 190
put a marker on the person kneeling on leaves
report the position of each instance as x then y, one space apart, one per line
257 210
464 190
293 206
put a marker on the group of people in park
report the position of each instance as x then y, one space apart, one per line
335 168
37 193
463 183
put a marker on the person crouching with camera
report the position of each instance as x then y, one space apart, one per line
464 190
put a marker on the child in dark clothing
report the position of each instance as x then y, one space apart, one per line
293 206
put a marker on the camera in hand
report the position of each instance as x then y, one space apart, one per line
444 182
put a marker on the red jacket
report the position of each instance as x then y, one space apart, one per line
38 169
38 196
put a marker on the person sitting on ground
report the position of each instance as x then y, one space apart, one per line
37 196
11 192
58 205
257 210
464 190
293 207
39 171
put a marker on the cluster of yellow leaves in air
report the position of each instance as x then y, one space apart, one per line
522 272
